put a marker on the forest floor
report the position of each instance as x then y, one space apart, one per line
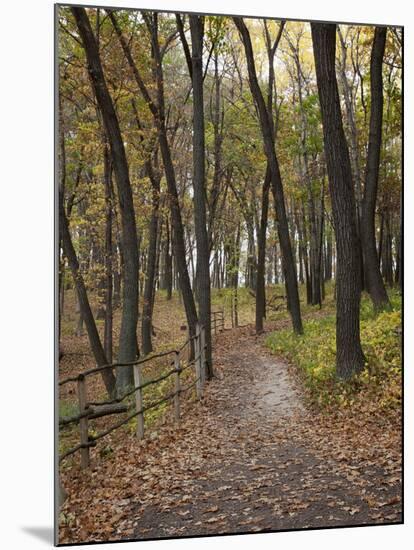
250 457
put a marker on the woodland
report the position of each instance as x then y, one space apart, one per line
233 185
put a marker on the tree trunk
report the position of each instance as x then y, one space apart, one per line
354 148
276 180
108 255
387 268
158 112
168 264
199 186
261 256
349 355
306 259
94 339
374 280
128 345
400 252
148 305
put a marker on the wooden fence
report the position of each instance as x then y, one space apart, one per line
190 355
217 321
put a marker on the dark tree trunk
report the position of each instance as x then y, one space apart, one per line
306 259
108 256
217 122
354 148
270 265
158 111
276 262
251 263
380 240
276 181
261 239
320 250
349 355
178 231
400 250
168 264
117 279
314 264
62 185
387 267
148 305
261 256
373 277
199 186
87 315
236 265
328 257
128 345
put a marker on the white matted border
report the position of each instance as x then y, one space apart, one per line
26 289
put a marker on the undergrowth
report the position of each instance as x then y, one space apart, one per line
314 355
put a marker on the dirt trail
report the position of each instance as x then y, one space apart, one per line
249 457
267 475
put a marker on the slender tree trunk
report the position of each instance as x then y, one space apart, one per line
315 274
399 274
261 256
158 111
328 259
62 185
94 339
354 148
349 355
128 345
236 276
168 263
276 262
108 344
306 259
387 267
199 186
217 122
261 238
276 180
376 286
147 308
320 247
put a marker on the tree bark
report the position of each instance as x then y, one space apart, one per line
148 305
158 111
87 315
128 345
168 263
108 256
276 180
261 255
349 355
354 148
373 277
199 186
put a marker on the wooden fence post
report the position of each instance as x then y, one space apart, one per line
203 356
83 422
190 347
177 388
198 360
138 401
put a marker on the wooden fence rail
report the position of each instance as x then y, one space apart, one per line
89 410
